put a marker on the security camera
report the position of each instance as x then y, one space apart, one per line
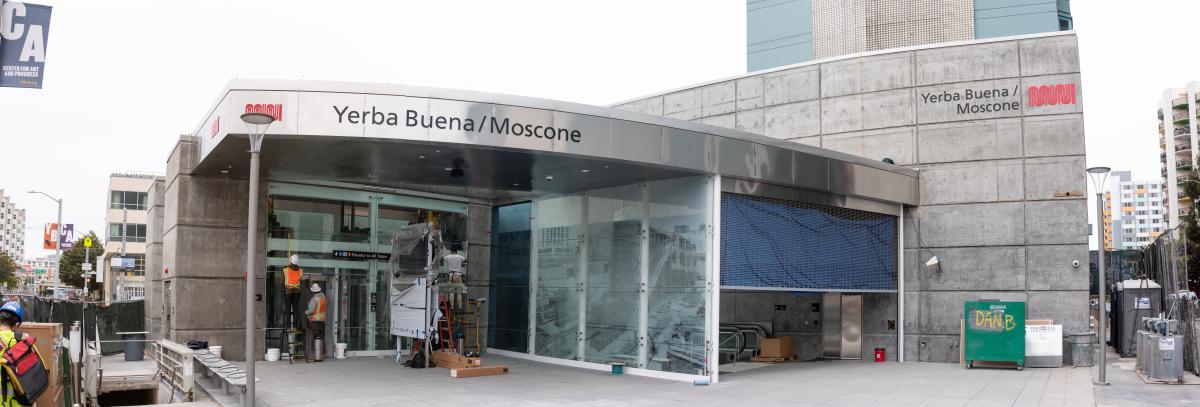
549 178
1074 263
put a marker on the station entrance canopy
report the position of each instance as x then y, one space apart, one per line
512 148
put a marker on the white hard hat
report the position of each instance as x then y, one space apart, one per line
295 259
316 288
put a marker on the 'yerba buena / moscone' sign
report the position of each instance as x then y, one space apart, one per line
971 100
1001 99
485 124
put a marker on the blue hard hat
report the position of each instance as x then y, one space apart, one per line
15 308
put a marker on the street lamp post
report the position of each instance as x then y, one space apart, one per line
57 242
1099 175
256 126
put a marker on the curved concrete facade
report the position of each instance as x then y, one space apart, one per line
995 130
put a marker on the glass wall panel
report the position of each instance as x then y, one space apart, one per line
508 299
317 219
558 222
614 274
680 215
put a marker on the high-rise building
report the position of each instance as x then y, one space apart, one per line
785 32
124 262
12 228
1133 212
1177 143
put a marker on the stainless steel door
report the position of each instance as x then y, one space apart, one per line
851 326
831 325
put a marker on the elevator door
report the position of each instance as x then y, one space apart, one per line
841 326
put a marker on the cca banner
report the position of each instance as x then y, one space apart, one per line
24 31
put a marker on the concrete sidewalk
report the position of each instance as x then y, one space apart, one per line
379 381
1127 389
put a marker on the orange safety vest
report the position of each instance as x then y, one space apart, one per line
319 313
292 277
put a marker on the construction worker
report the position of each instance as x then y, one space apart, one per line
11 315
454 265
316 319
291 291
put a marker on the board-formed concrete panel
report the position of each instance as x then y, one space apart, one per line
988 224
750 121
1054 135
967 63
898 144
995 139
728 121
793 85
750 93
1046 177
1049 267
793 120
969 268
1057 222
841 114
890 108
1046 56
1067 308
718 98
683 105
972 182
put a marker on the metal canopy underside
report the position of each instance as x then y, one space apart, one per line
489 173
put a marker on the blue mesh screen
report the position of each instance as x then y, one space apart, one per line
772 243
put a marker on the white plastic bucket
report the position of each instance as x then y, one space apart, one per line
272 354
340 351
216 350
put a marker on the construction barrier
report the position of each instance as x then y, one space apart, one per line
120 316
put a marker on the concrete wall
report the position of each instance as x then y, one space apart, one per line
1002 200
155 195
200 283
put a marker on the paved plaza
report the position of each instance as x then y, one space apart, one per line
380 382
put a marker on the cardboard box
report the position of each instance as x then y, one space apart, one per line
48 336
777 347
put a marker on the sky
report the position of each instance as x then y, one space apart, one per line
125 78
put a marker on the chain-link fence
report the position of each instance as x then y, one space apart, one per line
1166 261
122 316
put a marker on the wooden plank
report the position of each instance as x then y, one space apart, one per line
452 361
479 371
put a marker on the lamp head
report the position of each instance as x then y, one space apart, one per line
257 118
1098 170
933 261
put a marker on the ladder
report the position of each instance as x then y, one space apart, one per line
295 348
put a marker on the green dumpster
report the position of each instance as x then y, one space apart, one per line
994 331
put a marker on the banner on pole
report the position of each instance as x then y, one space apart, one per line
24 32
48 233
67 237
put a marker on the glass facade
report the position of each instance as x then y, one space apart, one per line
999 18
313 222
614 274
785 32
778 32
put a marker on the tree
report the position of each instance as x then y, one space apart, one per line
8 270
1191 228
71 265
